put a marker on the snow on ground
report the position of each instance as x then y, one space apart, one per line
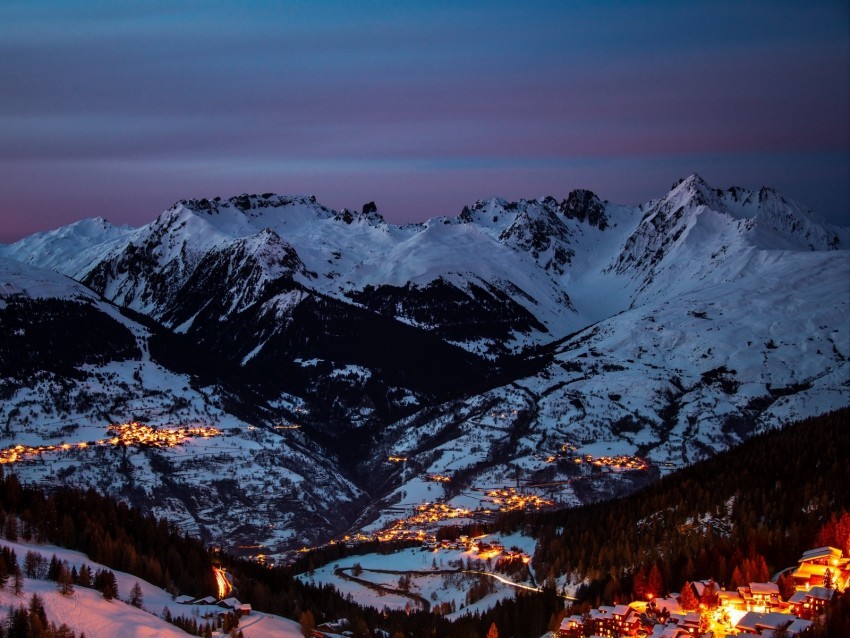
86 611
434 575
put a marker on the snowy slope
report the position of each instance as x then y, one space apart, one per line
56 393
71 250
672 381
85 610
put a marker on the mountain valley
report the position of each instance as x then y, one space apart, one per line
356 369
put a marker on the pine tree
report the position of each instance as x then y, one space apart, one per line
493 632
688 598
36 608
737 579
64 581
110 585
308 623
85 576
11 531
54 568
639 585
136 595
360 629
31 562
786 585
20 623
654 582
18 582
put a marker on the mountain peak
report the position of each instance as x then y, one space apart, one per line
692 181
584 205
695 189
369 214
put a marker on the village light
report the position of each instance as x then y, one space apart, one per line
125 434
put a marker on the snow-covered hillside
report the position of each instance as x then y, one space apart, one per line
518 344
86 611
71 365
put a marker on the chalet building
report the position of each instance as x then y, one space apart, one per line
760 597
731 600
230 603
765 624
669 605
619 620
687 621
799 627
571 627
814 564
700 587
810 604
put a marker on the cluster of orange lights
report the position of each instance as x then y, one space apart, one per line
139 434
396 459
124 434
509 500
427 513
440 478
620 462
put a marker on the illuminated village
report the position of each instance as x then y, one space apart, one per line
620 462
421 521
124 434
757 609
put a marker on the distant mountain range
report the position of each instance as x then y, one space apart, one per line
477 347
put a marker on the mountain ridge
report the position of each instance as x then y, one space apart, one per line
473 347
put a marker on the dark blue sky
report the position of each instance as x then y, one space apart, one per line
119 109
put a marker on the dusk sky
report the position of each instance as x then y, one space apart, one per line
118 109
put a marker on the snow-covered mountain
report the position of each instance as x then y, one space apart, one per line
477 347
71 364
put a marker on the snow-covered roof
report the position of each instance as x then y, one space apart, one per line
766 589
570 620
231 603
667 631
754 621
820 552
732 597
799 626
700 585
670 604
820 593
